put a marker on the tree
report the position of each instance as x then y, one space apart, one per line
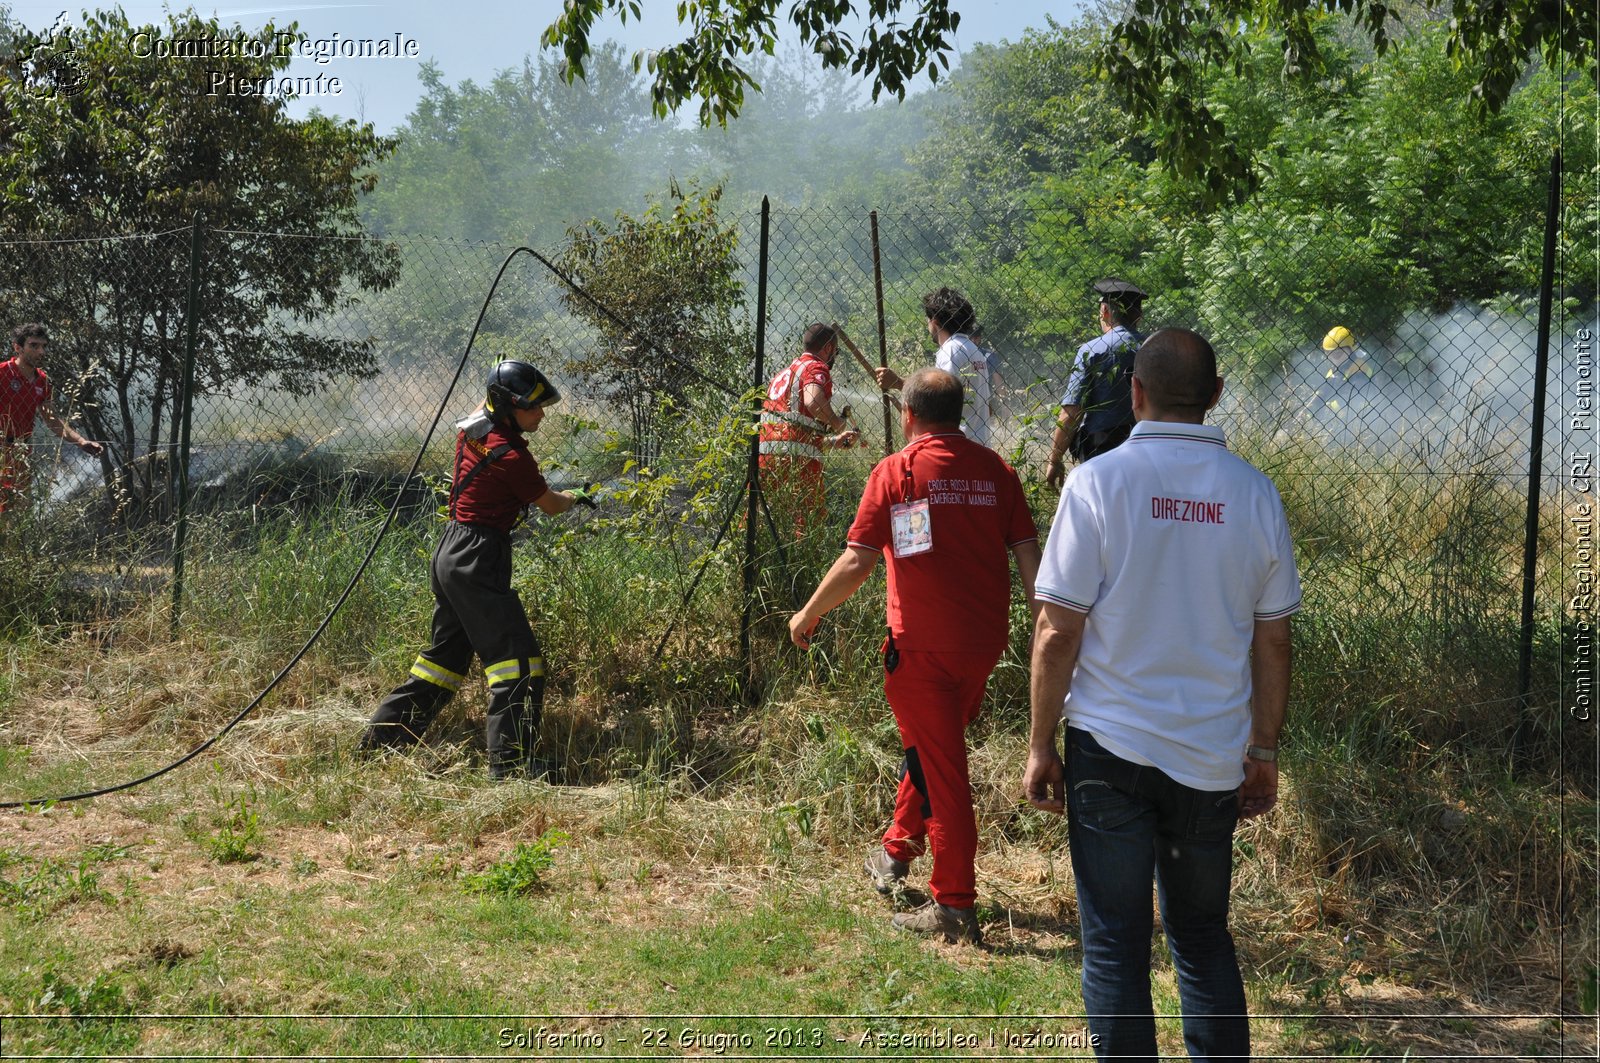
100 139
707 64
672 276
520 157
808 139
1028 108
1378 194
1157 55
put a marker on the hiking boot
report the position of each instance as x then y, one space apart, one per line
371 744
958 925
531 768
887 872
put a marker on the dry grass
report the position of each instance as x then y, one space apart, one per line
1406 873
683 867
1453 889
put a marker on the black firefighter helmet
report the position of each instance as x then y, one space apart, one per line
517 385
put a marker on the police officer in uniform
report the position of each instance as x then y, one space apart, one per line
475 610
1097 410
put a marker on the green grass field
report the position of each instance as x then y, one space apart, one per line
697 890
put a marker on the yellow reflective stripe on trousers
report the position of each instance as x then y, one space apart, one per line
510 671
438 676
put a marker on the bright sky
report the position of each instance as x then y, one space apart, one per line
475 38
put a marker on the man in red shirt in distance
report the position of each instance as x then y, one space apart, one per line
943 512
25 396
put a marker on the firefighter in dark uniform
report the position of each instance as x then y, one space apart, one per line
1097 410
475 610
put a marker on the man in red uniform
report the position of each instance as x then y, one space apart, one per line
795 420
942 511
475 610
24 396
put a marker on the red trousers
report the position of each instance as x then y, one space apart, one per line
935 696
793 487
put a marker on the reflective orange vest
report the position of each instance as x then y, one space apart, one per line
784 429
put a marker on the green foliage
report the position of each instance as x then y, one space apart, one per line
1159 56
516 157
143 144
85 1018
807 138
301 564
1377 192
1163 55
1015 112
36 589
668 284
237 839
235 834
522 872
891 51
101 996
42 886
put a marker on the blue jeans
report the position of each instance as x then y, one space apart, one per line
1127 824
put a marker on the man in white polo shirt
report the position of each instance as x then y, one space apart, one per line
1167 585
951 322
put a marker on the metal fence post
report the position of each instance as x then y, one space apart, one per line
883 338
753 466
1530 546
191 323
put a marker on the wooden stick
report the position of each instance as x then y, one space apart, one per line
853 349
860 358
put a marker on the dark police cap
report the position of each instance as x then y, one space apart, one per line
1112 290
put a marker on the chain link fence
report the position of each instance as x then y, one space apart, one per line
319 366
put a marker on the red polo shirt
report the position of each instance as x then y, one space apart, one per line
956 596
496 497
22 392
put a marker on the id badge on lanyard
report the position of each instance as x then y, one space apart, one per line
910 522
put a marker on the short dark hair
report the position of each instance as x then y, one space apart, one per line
817 336
1178 370
950 309
32 330
1125 309
934 396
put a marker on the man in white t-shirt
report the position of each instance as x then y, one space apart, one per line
1167 585
951 322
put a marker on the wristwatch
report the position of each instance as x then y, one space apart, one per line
1261 753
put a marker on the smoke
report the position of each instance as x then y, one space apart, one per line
1456 386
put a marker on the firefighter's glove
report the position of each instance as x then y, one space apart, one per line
585 496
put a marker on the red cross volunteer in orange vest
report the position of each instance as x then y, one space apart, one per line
796 420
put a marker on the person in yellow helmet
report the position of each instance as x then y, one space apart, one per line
1348 385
